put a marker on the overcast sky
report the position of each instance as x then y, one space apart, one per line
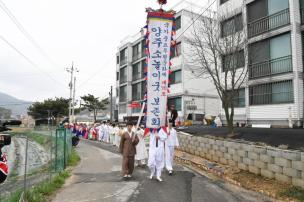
87 32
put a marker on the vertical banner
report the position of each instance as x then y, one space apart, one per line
159 36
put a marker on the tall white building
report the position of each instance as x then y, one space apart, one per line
189 94
273 91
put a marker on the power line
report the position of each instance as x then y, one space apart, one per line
29 60
200 15
25 32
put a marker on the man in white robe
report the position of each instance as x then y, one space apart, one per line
156 153
170 144
141 151
100 132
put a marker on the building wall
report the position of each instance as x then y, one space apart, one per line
275 114
282 165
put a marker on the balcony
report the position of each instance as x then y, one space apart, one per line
268 23
270 67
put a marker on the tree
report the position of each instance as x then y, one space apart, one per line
59 107
5 113
218 50
93 103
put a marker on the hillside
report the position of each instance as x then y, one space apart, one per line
18 107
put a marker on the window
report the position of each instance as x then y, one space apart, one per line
123 56
176 77
123 75
136 52
117 76
143 48
178 22
123 94
232 25
233 61
270 57
143 69
239 98
271 93
177 102
266 15
136 74
136 91
177 50
117 59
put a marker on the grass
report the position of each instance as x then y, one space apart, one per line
293 192
74 158
42 191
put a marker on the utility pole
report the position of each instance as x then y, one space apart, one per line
71 71
73 106
111 104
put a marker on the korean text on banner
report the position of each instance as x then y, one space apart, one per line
159 43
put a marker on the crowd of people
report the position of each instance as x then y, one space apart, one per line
154 149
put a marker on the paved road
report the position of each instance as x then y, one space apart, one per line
98 178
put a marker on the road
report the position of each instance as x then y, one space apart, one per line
98 178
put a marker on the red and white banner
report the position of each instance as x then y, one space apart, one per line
159 36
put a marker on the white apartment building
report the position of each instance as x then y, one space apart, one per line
189 94
273 91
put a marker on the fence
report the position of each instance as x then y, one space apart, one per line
33 157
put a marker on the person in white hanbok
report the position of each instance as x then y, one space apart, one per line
116 136
106 133
141 151
156 153
100 132
111 133
170 144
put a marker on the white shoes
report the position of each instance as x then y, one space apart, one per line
170 172
159 179
129 176
151 177
125 176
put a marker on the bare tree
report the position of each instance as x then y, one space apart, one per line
218 50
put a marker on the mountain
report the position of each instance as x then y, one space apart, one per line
18 107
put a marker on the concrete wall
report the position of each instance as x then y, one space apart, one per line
283 165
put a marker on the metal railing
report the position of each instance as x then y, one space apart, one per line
270 67
268 23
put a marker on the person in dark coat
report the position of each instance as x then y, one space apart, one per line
174 115
127 147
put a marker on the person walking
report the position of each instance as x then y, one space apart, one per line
141 151
174 115
127 147
156 153
171 143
